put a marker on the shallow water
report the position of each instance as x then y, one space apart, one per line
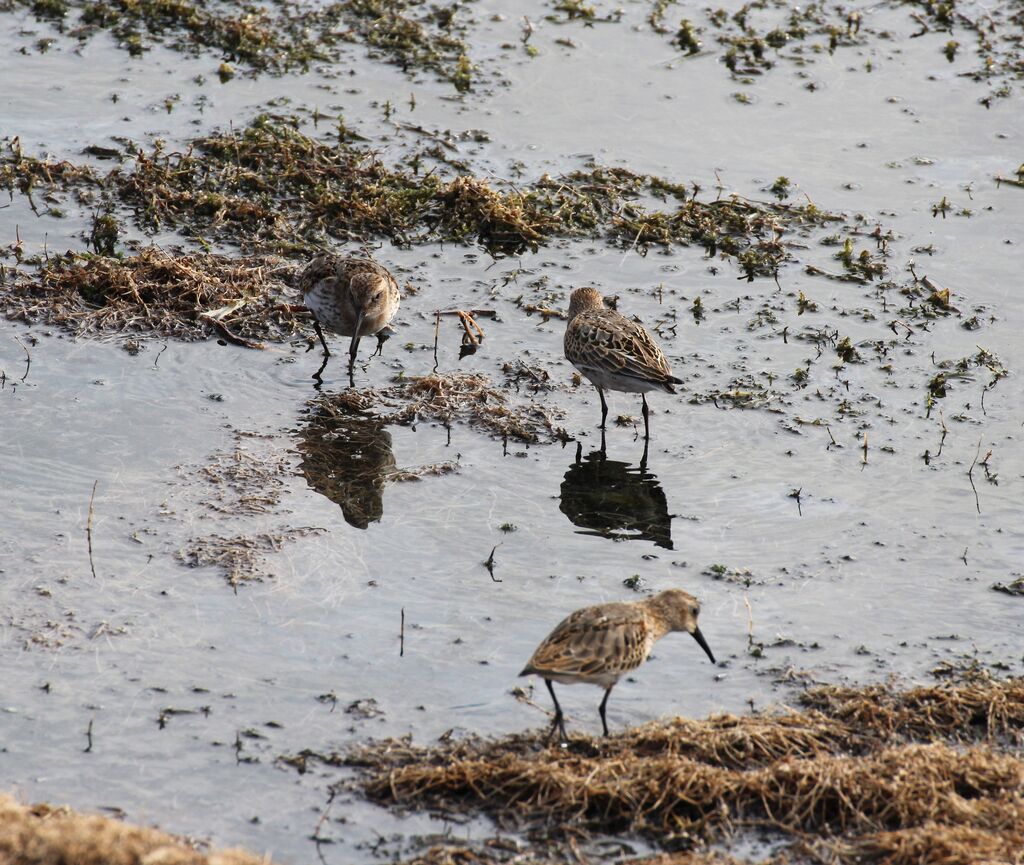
193 688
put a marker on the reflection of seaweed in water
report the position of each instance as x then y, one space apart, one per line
615 499
349 459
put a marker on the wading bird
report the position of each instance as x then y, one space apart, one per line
614 352
349 296
598 645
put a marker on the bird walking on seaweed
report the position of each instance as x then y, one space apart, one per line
598 645
349 296
613 352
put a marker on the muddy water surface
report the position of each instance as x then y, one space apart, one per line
163 691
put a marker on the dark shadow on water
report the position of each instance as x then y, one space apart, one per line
615 499
349 460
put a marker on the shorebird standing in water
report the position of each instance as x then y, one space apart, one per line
349 296
614 352
597 645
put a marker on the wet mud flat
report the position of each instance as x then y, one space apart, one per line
242 607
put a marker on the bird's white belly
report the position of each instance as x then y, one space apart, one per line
605 680
335 316
614 381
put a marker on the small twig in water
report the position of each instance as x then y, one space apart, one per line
88 529
323 817
28 358
156 360
755 649
401 636
88 738
795 494
970 477
489 564
437 334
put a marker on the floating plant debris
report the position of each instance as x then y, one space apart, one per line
446 399
241 558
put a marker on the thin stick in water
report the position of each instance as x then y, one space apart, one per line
437 335
489 564
401 636
970 477
28 359
88 529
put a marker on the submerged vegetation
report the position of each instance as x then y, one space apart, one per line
445 399
278 37
869 774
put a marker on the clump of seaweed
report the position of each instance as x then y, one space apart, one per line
27 174
189 297
283 37
446 399
432 41
921 781
976 708
274 186
759 35
241 557
244 482
43 834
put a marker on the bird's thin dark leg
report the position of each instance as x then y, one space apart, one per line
382 337
559 722
604 406
603 450
601 708
647 418
323 342
643 459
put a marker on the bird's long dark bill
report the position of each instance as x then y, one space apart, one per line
354 347
699 637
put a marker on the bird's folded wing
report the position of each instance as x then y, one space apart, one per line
585 644
626 349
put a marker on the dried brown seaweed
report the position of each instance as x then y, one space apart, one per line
43 834
926 778
155 292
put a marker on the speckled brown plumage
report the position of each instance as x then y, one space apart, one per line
614 352
597 645
349 296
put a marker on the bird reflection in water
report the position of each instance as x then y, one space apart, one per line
615 499
349 459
